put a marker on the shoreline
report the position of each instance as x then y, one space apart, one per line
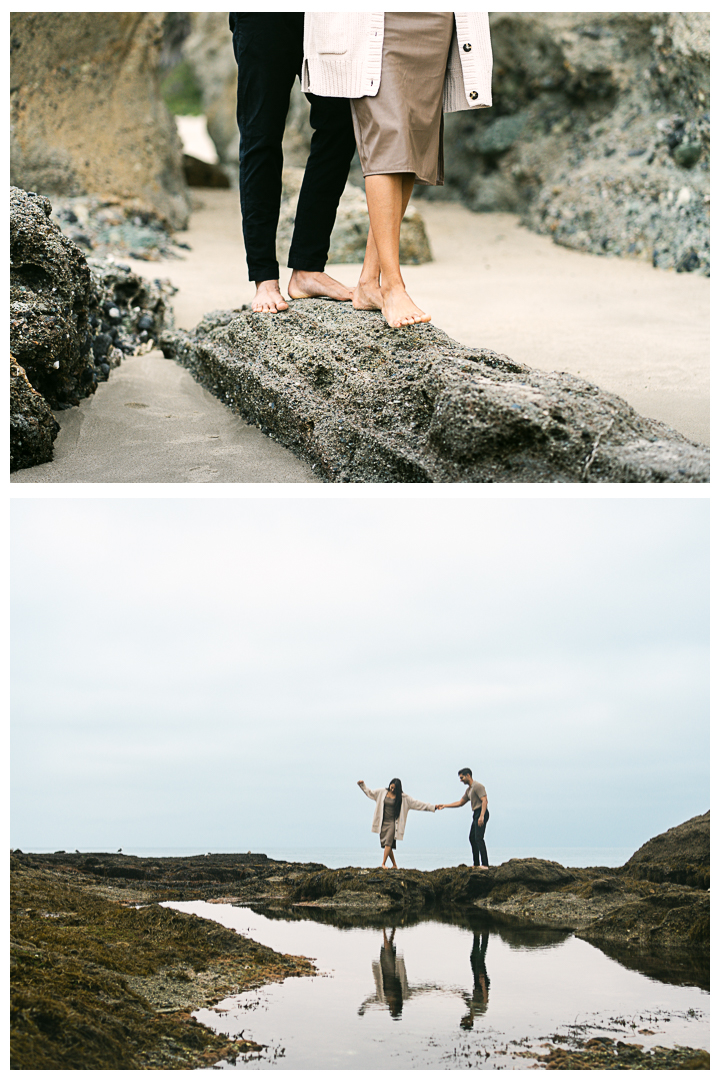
95 954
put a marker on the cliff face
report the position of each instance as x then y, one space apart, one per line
86 111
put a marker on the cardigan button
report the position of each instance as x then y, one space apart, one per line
473 95
467 47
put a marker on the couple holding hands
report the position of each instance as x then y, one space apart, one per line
391 811
381 80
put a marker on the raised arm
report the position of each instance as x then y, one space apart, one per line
368 791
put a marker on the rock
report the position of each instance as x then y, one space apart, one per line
204 174
113 226
87 114
49 303
597 121
366 403
680 855
32 425
674 916
71 322
349 236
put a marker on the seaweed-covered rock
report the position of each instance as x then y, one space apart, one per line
680 855
672 915
366 403
32 425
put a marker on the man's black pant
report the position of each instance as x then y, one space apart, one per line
269 52
477 837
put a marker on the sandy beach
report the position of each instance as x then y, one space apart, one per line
636 331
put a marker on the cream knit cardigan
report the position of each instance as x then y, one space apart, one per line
408 803
343 57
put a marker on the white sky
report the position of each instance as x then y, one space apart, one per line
219 672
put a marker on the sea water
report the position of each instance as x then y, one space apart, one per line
438 995
412 858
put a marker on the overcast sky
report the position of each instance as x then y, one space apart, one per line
219 673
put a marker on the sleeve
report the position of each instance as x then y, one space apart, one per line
415 804
466 797
370 793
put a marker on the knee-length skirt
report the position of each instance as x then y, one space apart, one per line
400 130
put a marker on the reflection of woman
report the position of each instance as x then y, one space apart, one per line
391 985
400 70
391 811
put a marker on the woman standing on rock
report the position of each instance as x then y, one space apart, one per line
391 811
400 71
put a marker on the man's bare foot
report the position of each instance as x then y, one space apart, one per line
367 296
307 283
399 309
268 298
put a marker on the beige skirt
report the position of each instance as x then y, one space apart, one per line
400 130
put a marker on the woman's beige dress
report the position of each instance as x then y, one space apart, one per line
387 829
400 130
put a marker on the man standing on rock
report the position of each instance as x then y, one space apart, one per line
269 53
477 795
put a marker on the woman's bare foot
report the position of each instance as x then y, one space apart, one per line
308 283
268 298
399 309
367 296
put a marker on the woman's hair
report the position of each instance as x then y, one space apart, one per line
398 794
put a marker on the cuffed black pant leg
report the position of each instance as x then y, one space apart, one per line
477 838
326 173
268 51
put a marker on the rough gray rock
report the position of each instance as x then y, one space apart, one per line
598 135
350 233
87 113
32 425
366 403
49 303
71 320
680 855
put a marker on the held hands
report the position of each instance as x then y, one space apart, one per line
440 806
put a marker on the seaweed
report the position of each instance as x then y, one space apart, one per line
97 984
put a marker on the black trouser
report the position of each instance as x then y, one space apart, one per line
477 837
269 52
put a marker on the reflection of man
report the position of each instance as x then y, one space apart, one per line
478 1003
477 795
269 52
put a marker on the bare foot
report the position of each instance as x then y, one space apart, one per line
268 298
367 296
398 308
307 283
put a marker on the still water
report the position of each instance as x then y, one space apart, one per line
439 995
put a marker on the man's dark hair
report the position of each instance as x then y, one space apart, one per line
464 772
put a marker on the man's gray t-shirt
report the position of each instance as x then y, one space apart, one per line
475 793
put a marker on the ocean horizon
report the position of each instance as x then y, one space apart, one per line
409 858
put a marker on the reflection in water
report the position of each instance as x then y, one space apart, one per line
478 1002
391 981
427 1008
392 987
